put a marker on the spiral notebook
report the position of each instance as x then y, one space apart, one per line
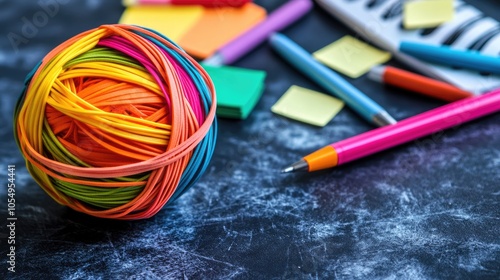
380 22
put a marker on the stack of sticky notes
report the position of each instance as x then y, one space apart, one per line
351 56
307 106
198 30
427 13
218 26
238 89
171 21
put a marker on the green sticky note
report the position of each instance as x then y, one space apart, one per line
238 89
351 56
427 13
307 106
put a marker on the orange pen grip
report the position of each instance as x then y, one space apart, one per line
427 86
323 158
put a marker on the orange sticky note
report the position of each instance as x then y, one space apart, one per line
218 26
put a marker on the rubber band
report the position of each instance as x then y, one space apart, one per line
116 122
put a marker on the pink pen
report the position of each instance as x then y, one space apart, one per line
277 20
404 131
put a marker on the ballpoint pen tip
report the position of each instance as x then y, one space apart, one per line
287 169
300 165
383 118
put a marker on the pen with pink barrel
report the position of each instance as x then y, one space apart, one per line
277 20
404 131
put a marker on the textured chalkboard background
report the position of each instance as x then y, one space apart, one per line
429 209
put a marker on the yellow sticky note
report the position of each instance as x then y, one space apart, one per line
171 21
351 57
307 106
219 26
427 13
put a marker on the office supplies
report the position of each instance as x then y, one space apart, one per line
380 22
218 26
404 131
427 13
117 121
277 20
351 57
307 106
417 83
171 21
330 80
238 89
205 3
448 56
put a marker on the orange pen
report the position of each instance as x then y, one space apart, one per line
417 83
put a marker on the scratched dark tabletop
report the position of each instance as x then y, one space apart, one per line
426 210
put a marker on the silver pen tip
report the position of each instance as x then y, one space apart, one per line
288 169
299 165
383 118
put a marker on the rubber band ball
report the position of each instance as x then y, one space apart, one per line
116 122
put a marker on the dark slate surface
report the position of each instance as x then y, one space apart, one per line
428 209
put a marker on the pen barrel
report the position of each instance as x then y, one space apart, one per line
417 126
328 79
424 85
448 56
277 20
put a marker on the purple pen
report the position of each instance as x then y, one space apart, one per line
277 20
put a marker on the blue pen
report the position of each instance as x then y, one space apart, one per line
445 55
330 80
